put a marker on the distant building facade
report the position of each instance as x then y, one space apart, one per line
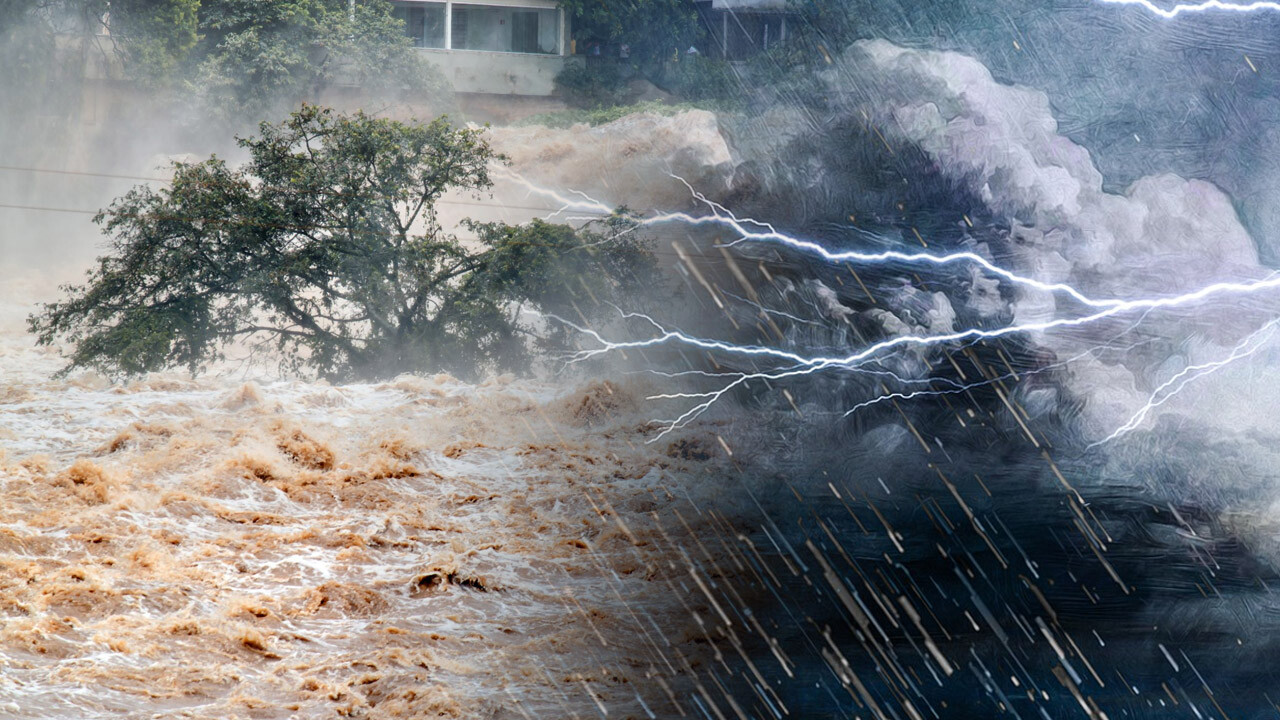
739 29
495 47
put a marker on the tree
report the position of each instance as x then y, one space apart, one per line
326 247
654 29
657 33
153 37
237 59
149 38
257 57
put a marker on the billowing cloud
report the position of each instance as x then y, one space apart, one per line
1164 233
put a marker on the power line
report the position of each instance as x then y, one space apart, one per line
114 176
255 223
216 221
245 222
48 209
82 172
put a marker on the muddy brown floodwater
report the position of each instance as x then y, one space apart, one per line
216 548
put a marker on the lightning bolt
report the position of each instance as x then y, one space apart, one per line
958 388
818 362
722 218
771 311
797 364
806 365
1181 8
1174 385
580 202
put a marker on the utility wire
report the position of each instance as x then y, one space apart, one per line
42 208
258 223
225 221
471 203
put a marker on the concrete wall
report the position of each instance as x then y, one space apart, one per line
504 109
498 73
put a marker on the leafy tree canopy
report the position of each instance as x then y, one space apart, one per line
654 29
253 54
327 248
236 58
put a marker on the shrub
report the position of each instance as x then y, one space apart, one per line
591 84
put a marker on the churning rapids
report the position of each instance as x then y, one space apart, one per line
220 548
238 546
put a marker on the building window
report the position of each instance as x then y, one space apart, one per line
481 27
505 29
459 29
423 22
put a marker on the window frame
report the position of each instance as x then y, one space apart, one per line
450 18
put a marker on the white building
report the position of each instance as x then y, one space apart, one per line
500 47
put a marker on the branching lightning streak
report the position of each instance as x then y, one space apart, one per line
820 362
709 398
1178 9
1174 385
889 374
962 387
585 204
721 217
804 365
740 378
771 311
717 208
813 248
